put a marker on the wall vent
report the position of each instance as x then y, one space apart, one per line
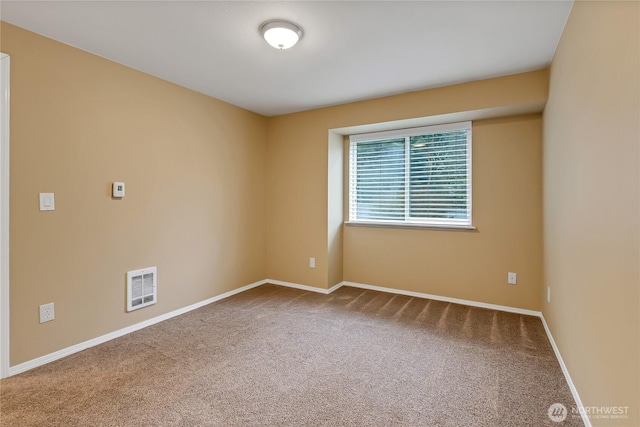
141 288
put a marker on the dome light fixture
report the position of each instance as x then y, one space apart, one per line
281 34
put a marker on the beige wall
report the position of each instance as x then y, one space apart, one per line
507 197
194 207
591 203
302 200
335 216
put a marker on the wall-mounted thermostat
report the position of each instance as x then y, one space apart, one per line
118 189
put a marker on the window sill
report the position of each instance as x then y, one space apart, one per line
414 225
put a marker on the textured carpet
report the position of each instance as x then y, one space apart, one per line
280 356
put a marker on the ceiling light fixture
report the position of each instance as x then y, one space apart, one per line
281 34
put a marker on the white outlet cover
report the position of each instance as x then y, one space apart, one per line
47 313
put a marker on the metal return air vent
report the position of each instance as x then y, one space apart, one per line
141 288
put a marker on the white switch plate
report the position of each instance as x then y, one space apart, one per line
312 263
47 202
47 313
548 294
118 189
511 278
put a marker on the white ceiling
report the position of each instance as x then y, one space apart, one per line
350 51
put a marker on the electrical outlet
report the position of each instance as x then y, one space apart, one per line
312 263
549 294
511 278
46 313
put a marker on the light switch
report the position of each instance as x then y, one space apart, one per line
47 202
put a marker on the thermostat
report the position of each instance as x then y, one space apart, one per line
118 189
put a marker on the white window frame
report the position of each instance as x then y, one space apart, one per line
465 224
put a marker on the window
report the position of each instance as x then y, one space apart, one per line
419 176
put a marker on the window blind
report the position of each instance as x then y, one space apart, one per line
420 175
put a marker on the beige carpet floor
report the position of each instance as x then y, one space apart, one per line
285 357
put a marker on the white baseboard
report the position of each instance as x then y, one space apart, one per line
445 299
34 363
565 371
304 287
